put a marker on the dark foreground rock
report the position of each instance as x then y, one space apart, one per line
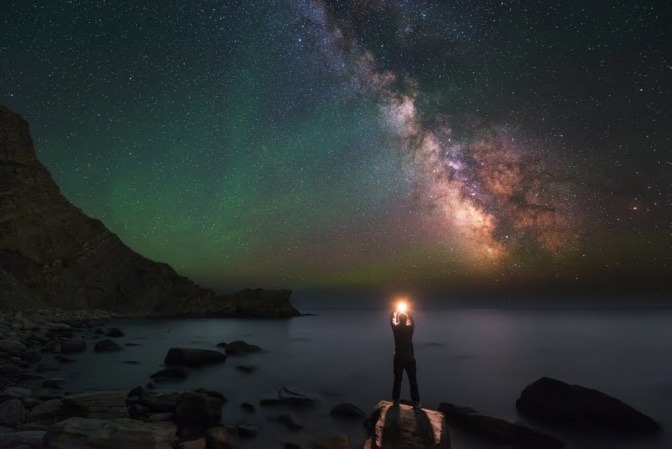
404 427
335 442
124 433
107 346
171 373
347 411
290 396
496 430
100 405
560 404
197 411
238 347
193 357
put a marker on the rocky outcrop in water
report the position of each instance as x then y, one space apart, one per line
560 404
52 254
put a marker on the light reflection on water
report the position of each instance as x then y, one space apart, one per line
478 358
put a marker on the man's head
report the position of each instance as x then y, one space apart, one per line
402 318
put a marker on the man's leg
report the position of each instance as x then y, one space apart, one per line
396 386
411 370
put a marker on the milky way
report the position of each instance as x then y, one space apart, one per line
359 144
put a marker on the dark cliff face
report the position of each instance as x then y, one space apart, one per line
53 253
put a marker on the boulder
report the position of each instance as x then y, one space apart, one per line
26 438
12 412
171 373
239 347
347 411
158 403
498 431
193 357
158 417
47 411
11 370
114 332
247 430
290 420
12 346
221 438
196 412
560 404
88 433
291 397
15 393
402 426
192 444
99 405
73 345
107 346
335 442
248 407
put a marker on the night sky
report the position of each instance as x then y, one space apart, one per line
360 144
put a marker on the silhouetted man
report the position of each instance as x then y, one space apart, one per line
404 358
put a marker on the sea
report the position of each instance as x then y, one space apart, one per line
476 355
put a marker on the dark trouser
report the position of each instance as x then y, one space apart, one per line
411 371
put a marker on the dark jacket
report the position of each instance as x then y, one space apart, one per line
403 339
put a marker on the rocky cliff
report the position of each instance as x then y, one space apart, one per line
52 253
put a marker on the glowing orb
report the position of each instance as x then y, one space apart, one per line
402 307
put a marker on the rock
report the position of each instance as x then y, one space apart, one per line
217 394
498 431
45 367
12 412
157 403
32 426
30 438
220 438
335 442
158 417
560 404
348 411
248 407
107 346
64 359
114 332
30 402
55 383
131 362
238 347
100 405
171 373
88 433
47 411
49 393
402 426
193 357
291 445
15 393
196 412
247 430
193 444
58 327
10 370
12 346
73 345
247 369
290 420
257 303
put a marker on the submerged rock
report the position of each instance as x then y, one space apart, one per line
238 347
87 433
196 412
193 357
402 426
107 346
73 345
171 373
348 411
290 420
114 332
557 403
498 431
